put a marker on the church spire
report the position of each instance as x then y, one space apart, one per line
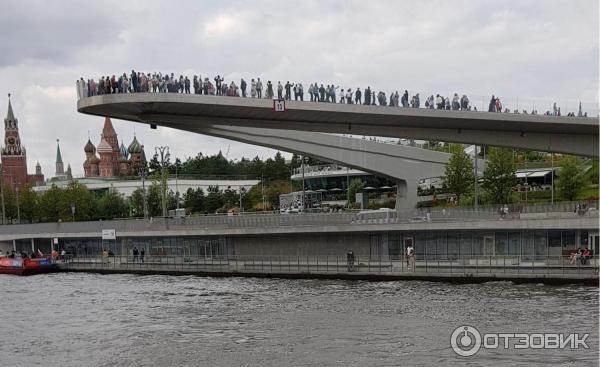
10 116
60 168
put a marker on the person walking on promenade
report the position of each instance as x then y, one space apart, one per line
243 87
259 88
135 254
350 260
142 253
410 257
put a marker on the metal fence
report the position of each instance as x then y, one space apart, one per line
458 214
494 265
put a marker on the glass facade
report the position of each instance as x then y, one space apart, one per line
451 245
191 246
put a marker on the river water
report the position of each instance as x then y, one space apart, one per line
79 319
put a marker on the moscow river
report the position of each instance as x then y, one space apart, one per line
79 319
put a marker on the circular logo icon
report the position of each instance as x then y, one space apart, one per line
465 341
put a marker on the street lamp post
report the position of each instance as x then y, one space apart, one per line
303 183
144 175
476 201
242 191
164 157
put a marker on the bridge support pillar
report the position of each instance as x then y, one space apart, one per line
406 194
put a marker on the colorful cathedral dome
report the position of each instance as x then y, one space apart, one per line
124 152
135 147
89 147
104 147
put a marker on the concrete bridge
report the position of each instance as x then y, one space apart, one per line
569 135
405 165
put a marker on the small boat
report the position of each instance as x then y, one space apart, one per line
26 266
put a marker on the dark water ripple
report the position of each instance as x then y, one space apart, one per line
127 320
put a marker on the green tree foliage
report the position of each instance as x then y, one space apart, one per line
50 204
78 195
356 185
194 200
136 202
10 203
459 176
154 200
499 177
111 205
570 180
28 202
214 199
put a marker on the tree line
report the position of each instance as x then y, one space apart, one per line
499 179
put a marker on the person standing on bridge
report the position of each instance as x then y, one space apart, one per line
259 88
404 99
279 90
368 96
243 87
288 91
492 106
321 93
270 92
252 88
358 96
218 81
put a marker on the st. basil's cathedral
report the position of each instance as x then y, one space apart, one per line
112 160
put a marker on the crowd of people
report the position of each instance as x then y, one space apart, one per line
140 82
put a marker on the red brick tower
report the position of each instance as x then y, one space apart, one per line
14 157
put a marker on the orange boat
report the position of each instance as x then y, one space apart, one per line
26 266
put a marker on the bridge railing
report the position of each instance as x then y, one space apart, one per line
451 264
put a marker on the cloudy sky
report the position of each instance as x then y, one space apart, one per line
536 51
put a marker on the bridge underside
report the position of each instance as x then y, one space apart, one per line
403 164
569 135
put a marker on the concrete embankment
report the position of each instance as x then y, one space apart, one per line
588 277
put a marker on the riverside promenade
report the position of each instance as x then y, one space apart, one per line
472 269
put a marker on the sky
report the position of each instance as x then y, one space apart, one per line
527 52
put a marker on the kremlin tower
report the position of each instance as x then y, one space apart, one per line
14 156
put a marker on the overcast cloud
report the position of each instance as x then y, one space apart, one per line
540 51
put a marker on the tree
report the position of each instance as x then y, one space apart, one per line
136 202
195 200
459 176
50 204
111 205
570 180
78 195
499 177
214 199
356 185
28 200
10 203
